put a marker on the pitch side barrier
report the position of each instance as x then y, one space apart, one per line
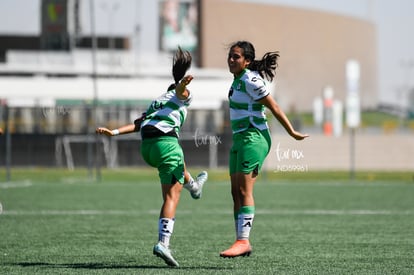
110 147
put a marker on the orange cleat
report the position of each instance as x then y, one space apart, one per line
239 248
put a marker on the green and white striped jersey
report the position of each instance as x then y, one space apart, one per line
244 93
167 112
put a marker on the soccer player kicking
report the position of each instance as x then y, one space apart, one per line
160 126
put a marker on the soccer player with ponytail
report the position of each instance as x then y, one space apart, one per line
248 97
160 126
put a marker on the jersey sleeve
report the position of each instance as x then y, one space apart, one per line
138 122
256 88
188 100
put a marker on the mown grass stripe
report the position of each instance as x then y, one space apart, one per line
189 212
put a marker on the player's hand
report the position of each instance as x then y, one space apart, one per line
181 90
186 80
104 131
298 136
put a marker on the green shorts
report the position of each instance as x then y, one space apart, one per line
249 151
165 154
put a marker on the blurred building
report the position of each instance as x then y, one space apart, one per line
83 63
314 46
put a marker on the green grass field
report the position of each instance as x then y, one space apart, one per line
61 222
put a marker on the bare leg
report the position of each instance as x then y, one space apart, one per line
243 206
171 196
242 190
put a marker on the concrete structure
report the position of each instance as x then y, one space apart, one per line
372 153
314 47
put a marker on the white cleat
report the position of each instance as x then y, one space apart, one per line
164 253
201 180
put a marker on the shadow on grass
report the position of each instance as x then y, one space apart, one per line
108 266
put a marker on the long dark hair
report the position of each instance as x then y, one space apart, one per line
266 66
181 63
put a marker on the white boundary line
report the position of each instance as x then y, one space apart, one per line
335 212
15 184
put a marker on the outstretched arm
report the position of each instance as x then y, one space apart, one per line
1 131
129 128
126 129
278 113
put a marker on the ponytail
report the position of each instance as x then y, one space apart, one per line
181 64
266 66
